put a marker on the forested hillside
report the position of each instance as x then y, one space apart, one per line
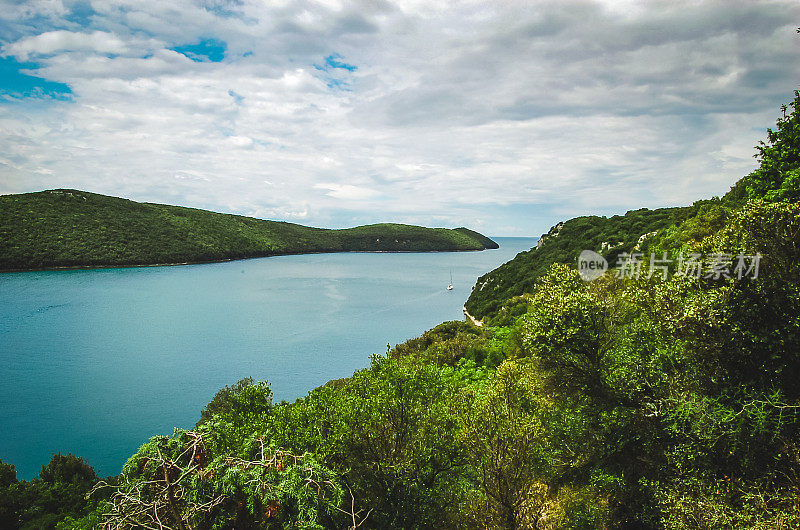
562 244
655 401
70 228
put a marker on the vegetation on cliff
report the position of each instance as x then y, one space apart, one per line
609 236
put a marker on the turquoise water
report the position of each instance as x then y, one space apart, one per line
94 362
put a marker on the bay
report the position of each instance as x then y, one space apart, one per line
94 362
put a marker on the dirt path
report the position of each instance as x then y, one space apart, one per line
471 318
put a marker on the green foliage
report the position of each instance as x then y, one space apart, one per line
735 460
70 228
390 432
508 313
778 175
566 329
693 383
502 430
236 412
562 244
482 239
705 219
10 496
8 475
180 482
92 521
58 492
447 344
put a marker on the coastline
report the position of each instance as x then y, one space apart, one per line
224 260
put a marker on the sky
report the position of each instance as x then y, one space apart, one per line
505 117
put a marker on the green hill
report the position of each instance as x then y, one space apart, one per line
70 228
609 236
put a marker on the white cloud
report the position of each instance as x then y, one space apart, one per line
60 41
240 141
346 191
511 113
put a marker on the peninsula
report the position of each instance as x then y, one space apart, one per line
66 228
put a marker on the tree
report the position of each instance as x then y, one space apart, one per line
180 482
238 411
505 439
58 491
778 176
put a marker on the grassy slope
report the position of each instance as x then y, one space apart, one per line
69 228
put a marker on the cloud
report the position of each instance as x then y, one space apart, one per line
51 42
346 191
504 114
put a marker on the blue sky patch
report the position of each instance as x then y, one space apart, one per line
18 85
81 13
224 8
333 61
338 84
336 73
207 50
237 98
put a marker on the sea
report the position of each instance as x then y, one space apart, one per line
95 362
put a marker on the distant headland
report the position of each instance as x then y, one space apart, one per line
66 228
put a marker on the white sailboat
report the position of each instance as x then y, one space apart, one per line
450 285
